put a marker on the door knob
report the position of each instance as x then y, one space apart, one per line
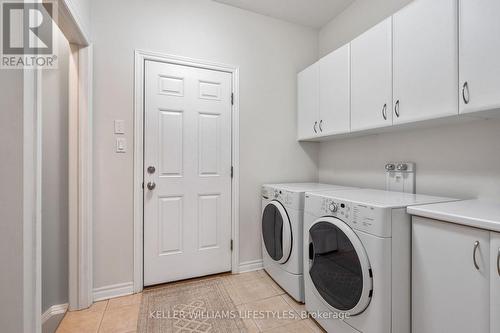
151 186
151 169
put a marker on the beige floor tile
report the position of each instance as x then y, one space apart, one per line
122 319
296 327
245 277
123 301
249 323
247 291
269 280
84 321
272 312
314 326
254 291
300 308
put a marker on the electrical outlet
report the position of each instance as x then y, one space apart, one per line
121 145
119 126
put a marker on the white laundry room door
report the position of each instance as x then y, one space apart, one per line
187 172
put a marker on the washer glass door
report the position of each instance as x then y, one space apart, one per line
338 266
276 232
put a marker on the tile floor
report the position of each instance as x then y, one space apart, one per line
249 292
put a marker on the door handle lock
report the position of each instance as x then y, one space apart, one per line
151 186
151 170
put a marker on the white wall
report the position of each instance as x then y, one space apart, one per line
11 200
459 160
269 53
454 160
55 179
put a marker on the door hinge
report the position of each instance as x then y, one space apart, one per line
231 245
232 171
232 98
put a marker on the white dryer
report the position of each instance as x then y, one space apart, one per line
282 227
357 259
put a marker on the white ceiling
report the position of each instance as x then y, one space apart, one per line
311 13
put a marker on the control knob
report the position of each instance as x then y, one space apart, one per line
333 207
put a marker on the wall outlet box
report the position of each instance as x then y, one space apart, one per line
121 145
119 126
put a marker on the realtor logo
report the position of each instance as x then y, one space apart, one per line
28 34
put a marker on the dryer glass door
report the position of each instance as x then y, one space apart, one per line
276 232
339 267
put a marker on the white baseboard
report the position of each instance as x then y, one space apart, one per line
54 310
112 291
250 266
52 317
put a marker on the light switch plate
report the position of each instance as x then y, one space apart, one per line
121 145
119 126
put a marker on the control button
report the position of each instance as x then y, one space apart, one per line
342 205
333 207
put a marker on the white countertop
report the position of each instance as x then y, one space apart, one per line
304 187
475 213
380 198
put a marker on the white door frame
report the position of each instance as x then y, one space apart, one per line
140 58
80 285
80 275
32 208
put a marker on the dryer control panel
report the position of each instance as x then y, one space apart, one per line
287 198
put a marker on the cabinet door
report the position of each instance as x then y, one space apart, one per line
334 92
449 294
371 78
308 102
479 55
425 57
495 282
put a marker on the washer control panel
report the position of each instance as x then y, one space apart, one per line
370 219
336 208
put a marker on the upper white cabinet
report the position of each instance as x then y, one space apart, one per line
479 55
406 70
308 102
323 96
425 56
371 78
334 104
450 278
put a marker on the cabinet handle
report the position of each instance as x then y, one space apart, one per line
396 108
315 127
384 111
476 245
321 125
498 262
465 92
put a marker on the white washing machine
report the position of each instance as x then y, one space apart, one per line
357 259
282 227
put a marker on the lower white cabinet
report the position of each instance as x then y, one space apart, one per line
451 275
495 282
